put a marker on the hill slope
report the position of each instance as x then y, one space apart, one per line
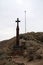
33 43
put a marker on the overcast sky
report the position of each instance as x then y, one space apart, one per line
10 10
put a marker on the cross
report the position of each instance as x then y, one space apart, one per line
17 32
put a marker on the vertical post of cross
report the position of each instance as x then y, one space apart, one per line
17 32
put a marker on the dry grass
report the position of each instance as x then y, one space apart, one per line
32 49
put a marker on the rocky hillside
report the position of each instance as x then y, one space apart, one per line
32 49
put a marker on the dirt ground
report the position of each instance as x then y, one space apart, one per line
19 59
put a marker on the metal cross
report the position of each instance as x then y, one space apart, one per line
17 32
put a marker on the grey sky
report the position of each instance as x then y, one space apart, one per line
11 9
